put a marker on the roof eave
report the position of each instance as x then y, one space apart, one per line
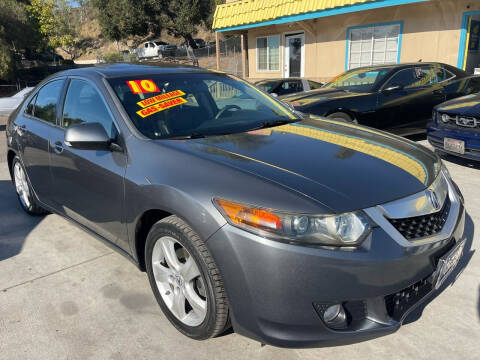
319 14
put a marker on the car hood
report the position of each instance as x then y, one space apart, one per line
466 105
319 95
343 166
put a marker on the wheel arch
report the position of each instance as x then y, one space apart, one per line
349 112
10 156
142 228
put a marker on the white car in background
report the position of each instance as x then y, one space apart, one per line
8 104
152 49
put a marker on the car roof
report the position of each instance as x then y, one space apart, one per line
279 79
120 70
397 66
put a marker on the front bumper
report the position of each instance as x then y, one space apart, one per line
276 290
471 137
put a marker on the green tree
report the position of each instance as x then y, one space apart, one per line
19 36
182 17
121 19
56 23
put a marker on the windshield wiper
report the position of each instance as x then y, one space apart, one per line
268 124
185 137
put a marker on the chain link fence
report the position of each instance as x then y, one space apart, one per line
205 56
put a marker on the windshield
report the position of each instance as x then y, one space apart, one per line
358 80
195 105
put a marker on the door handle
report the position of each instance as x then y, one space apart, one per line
58 146
438 91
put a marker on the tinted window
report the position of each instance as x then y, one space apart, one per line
30 106
47 98
290 87
314 85
443 74
414 77
266 85
83 103
358 80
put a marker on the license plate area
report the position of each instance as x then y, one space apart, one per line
454 145
447 263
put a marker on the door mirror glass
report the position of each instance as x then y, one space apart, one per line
87 136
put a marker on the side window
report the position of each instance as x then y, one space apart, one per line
443 74
30 107
47 99
289 87
414 77
83 104
314 85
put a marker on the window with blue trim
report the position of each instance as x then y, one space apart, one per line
373 45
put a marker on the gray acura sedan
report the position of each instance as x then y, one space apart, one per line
296 231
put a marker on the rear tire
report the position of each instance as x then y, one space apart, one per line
340 116
185 279
24 191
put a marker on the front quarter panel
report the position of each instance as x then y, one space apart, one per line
175 178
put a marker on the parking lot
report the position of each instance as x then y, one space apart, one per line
64 295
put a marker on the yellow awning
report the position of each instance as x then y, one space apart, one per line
245 13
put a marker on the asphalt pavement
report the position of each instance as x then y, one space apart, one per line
64 295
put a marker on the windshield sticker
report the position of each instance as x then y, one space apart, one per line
161 97
142 86
161 106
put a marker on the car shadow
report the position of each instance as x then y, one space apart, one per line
417 137
462 264
479 302
15 225
460 161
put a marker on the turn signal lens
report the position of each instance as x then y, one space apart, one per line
240 214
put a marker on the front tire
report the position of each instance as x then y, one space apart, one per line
24 191
185 279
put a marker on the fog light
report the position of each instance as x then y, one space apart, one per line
335 317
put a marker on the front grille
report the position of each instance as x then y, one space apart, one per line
421 226
459 121
399 303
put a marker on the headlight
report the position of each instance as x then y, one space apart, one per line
445 118
348 229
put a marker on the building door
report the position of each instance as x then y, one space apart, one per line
469 57
294 64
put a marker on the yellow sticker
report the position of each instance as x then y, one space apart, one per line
161 106
159 98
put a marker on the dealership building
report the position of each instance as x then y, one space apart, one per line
319 39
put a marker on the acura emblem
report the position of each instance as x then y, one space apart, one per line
433 199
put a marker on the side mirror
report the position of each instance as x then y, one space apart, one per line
87 136
392 88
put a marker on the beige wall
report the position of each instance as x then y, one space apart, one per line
431 32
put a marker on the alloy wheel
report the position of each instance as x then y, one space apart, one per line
179 281
21 185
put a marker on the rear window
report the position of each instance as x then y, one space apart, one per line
182 105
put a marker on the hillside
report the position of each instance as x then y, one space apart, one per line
93 44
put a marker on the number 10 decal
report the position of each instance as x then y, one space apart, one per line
142 86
